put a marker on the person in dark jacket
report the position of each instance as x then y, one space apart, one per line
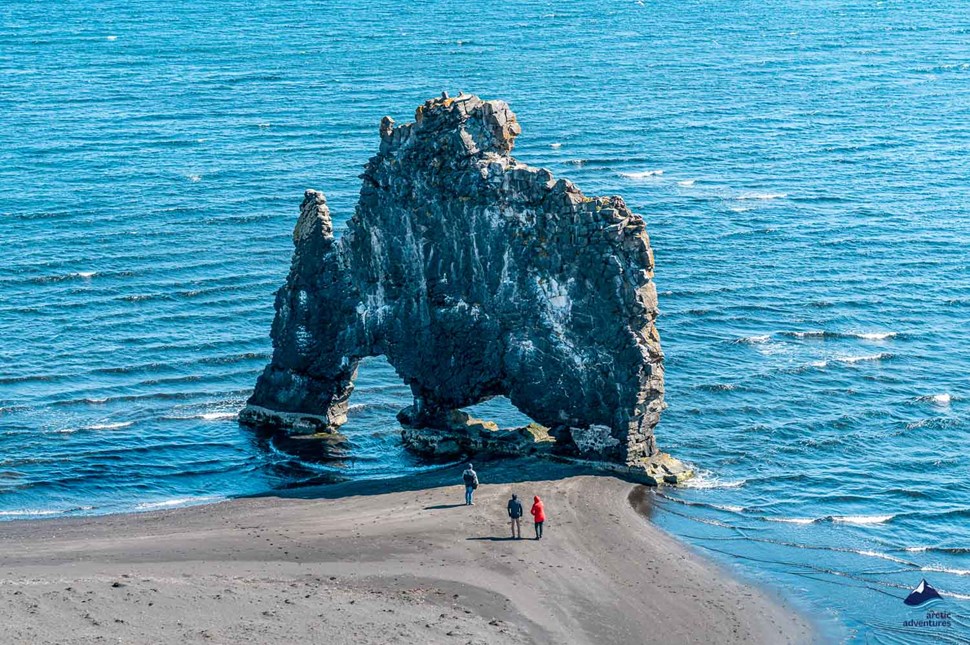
515 514
470 477
539 515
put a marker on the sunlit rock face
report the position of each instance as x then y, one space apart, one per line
476 276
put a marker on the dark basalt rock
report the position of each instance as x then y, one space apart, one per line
476 276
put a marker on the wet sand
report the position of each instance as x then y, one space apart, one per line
399 561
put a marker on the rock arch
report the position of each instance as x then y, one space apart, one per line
476 276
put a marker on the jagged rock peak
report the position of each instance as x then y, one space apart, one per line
476 276
484 126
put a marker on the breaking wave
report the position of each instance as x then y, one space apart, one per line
943 399
177 502
761 196
825 334
864 358
644 174
859 520
705 479
754 340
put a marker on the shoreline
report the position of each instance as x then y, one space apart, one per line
400 560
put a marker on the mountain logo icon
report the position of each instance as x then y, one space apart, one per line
922 594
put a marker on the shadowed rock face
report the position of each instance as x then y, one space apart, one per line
476 276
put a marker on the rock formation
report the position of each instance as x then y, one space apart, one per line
476 276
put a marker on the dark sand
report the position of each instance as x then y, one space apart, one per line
400 561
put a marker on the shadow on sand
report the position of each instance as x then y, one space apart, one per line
514 470
498 471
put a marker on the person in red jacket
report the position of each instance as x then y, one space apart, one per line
538 515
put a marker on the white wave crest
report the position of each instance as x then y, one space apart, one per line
109 426
705 479
861 519
215 416
864 358
937 399
555 145
956 572
881 335
687 183
642 175
755 340
882 556
29 513
792 520
176 502
762 196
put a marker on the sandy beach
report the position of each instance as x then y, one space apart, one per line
398 561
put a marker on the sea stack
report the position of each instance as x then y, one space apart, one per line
476 276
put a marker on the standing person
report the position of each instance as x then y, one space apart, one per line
538 515
515 514
470 477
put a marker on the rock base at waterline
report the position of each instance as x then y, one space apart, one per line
456 435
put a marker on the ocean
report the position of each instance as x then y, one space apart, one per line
802 168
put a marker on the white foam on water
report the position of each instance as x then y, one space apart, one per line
762 196
642 175
864 358
686 183
755 340
195 178
956 572
29 513
916 549
705 479
555 145
882 335
819 364
861 520
882 556
176 502
111 38
943 399
792 520
109 426
87 275
214 416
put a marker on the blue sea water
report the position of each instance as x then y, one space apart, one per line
803 169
